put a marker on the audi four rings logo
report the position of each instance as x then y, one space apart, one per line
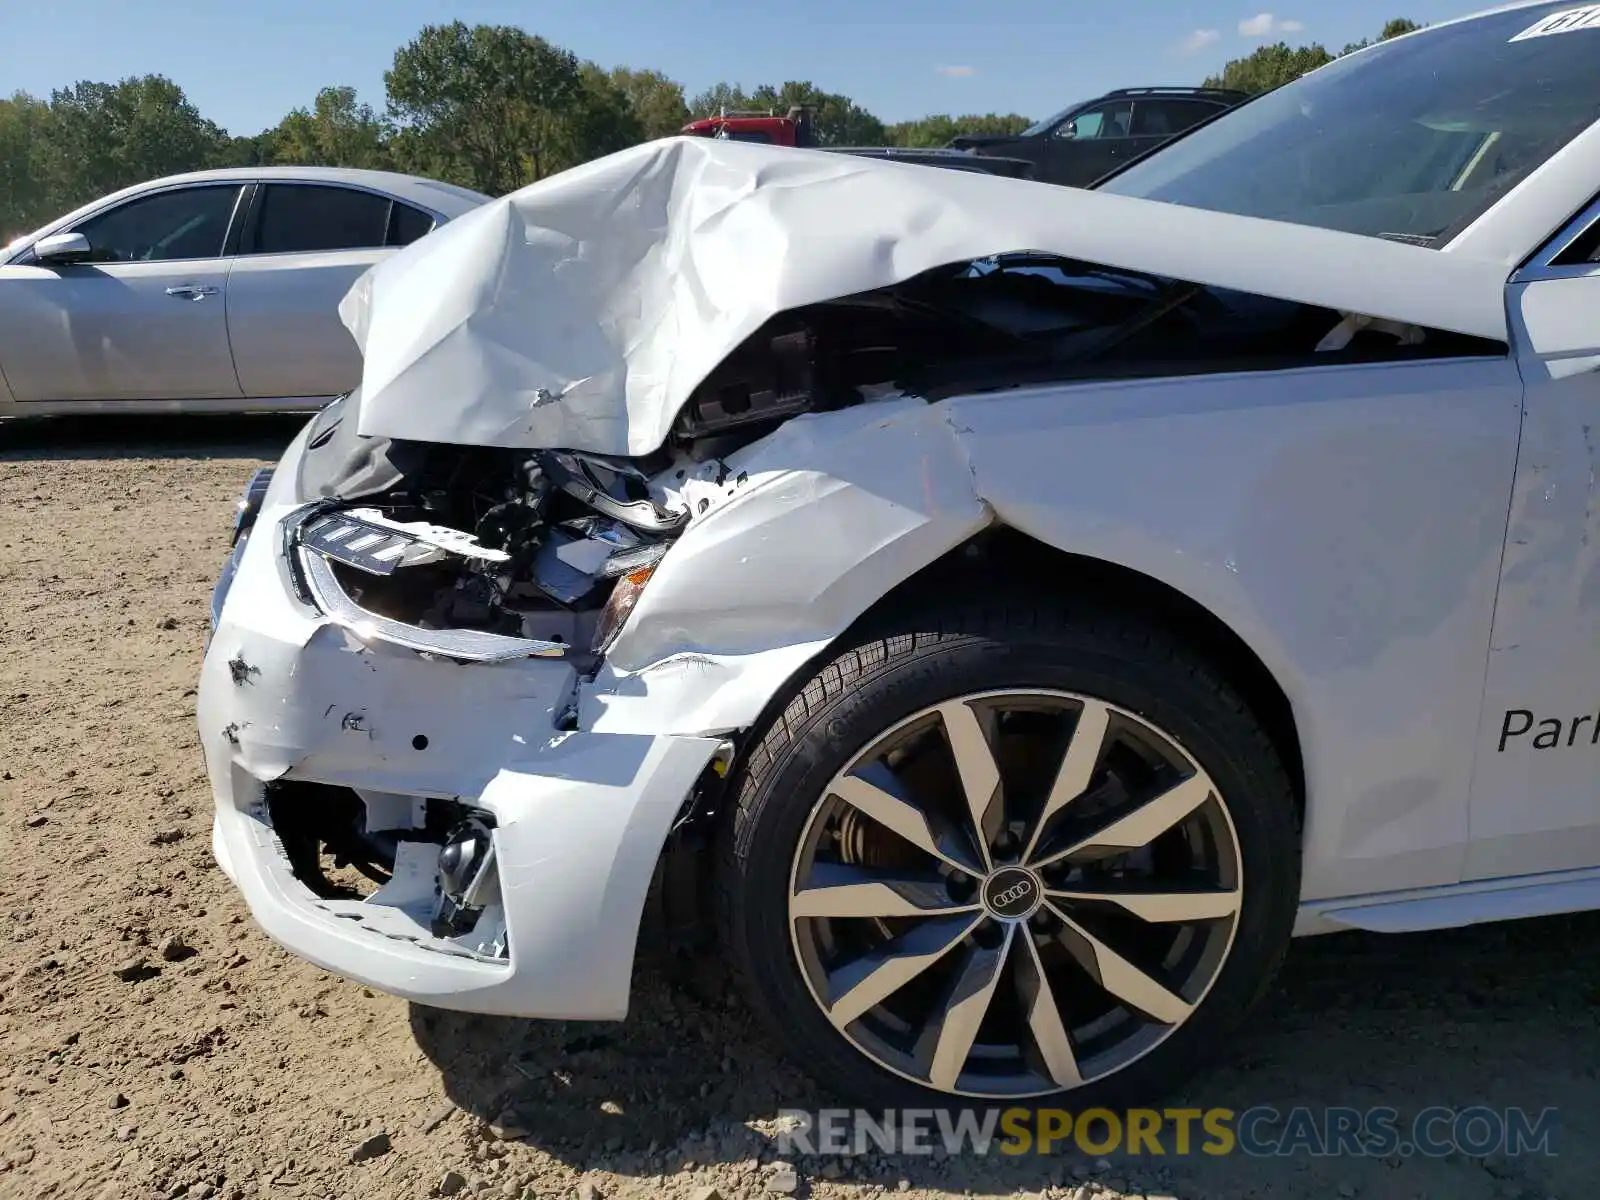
1016 891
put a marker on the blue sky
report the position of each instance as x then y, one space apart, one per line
246 63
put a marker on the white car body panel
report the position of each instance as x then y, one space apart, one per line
667 256
1536 787
1243 497
1382 657
1239 496
856 498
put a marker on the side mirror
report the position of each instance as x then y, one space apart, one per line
62 248
1069 130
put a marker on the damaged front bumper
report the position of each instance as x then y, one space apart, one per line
309 709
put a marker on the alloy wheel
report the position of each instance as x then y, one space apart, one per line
1015 893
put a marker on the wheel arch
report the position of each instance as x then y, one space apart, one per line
1000 559
1003 557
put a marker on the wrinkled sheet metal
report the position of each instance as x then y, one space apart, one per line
581 311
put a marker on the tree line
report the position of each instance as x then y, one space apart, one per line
489 107
1272 66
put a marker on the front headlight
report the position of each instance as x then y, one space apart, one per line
248 505
623 599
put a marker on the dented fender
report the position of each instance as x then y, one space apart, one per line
809 528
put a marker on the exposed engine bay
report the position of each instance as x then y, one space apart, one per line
556 545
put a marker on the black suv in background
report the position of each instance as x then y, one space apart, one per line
1088 140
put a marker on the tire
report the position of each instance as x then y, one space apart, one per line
1164 710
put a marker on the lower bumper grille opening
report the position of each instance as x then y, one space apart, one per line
343 847
324 832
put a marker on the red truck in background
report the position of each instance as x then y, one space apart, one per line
795 129
791 130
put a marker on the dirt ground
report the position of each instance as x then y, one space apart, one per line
154 1043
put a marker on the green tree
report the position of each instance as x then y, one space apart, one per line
489 106
105 136
599 121
937 130
1394 28
657 102
1273 66
25 199
257 151
720 96
485 105
1398 26
1270 67
338 131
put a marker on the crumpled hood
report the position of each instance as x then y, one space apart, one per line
581 311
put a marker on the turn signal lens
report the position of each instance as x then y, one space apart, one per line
615 614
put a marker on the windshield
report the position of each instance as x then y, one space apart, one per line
1411 140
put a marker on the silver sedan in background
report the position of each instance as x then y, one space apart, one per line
212 291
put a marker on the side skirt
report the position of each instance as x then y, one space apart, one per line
1453 905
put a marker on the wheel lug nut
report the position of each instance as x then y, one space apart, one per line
959 885
988 935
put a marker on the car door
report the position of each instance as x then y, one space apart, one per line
1089 144
304 244
1536 787
143 319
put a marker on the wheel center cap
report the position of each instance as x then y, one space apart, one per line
1012 893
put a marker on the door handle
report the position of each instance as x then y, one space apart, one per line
192 291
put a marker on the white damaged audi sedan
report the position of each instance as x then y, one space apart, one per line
1000 615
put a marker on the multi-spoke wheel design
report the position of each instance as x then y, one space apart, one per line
1007 849
1014 892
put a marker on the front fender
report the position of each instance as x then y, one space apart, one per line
1345 522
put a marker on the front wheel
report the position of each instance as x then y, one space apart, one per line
1002 856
